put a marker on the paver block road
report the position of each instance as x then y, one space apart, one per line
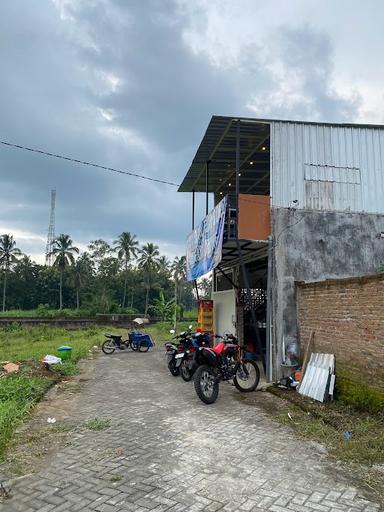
167 451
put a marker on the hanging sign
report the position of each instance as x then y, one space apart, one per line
204 244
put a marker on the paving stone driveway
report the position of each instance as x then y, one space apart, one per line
167 451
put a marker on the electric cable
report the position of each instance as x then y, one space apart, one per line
84 162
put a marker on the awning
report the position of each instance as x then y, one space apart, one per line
218 148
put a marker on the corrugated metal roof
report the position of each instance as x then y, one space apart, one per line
295 143
219 148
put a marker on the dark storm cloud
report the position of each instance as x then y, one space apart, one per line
115 82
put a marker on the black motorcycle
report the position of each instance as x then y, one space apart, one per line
174 353
191 360
136 341
224 362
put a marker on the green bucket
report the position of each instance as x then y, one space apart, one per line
65 352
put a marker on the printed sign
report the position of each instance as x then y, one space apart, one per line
205 243
205 316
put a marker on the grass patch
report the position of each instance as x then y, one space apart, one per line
327 423
115 478
23 343
361 451
28 345
17 396
97 424
60 428
66 369
357 394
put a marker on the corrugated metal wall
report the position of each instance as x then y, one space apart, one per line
327 167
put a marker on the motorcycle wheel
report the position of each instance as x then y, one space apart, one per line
248 383
108 347
133 345
172 368
185 372
143 347
205 386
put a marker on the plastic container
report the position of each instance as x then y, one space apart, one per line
292 350
65 352
140 338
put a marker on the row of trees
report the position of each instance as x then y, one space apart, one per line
105 278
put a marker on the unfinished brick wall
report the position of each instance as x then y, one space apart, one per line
347 316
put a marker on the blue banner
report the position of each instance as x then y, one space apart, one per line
204 244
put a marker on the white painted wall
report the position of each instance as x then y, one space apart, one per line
224 307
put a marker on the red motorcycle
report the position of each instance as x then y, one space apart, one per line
224 362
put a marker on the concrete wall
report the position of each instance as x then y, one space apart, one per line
72 323
314 246
347 316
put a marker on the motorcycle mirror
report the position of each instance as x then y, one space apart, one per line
172 331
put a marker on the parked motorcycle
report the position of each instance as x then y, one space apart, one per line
175 352
190 360
136 341
221 363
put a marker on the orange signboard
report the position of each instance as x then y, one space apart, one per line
205 316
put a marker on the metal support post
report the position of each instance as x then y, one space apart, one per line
193 210
197 290
206 185
242 264
269 354
237 175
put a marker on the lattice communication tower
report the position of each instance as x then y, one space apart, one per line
51 230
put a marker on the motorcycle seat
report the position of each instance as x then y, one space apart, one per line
109 335
219 349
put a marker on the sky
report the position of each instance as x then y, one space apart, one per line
132 84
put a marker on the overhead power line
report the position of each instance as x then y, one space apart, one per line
84 162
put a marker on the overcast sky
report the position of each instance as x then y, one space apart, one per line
132 84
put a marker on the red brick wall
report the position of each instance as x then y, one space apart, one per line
347 316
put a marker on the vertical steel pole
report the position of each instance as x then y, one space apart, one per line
244 272
237 175
269 355
206 186
193 210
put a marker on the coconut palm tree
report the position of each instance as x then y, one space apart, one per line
179 272
83 268
164 266
8 255
63 253
149 262
126 246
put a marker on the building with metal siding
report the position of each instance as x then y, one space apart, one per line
317 189
327 167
